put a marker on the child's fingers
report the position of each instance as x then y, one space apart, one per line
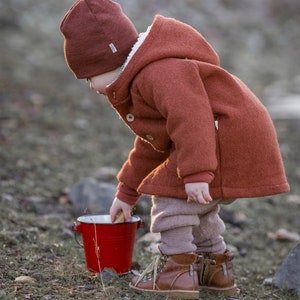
207 197
197 199
113 214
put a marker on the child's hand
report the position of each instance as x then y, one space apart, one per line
198 192
118 206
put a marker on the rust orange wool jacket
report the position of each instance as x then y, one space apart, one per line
193 121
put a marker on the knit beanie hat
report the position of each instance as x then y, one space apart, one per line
98 37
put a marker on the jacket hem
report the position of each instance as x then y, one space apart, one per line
217 193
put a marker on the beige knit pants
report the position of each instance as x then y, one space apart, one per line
187 227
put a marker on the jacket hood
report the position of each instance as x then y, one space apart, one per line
168 38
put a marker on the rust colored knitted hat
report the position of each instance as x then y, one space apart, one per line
98 37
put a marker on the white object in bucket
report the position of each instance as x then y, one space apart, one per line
102 219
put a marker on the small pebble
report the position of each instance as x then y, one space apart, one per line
25 279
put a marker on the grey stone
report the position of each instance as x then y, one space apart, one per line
288 275
284 107
108 275
106 174
143 206
92 196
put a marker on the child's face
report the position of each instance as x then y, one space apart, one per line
100 82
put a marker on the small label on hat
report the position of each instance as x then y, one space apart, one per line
113 48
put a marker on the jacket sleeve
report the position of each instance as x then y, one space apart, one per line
176 89
141 161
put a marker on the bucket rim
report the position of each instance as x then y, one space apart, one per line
104 220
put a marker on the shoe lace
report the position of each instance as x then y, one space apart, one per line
152 270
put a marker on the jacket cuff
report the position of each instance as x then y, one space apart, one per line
127 194
199 177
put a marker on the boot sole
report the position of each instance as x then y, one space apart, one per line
172 293
222 291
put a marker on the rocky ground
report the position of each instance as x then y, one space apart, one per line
55 132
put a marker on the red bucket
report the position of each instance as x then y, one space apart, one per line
107 244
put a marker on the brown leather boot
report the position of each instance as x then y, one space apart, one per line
215 273
172 276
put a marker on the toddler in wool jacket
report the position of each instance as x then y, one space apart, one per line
202 138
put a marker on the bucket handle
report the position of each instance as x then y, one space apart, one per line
141 224
75 230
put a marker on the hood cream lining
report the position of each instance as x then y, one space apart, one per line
141 38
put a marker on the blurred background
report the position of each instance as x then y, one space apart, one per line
258 40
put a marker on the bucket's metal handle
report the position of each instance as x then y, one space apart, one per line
74 229
141 224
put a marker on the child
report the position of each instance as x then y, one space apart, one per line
202 138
